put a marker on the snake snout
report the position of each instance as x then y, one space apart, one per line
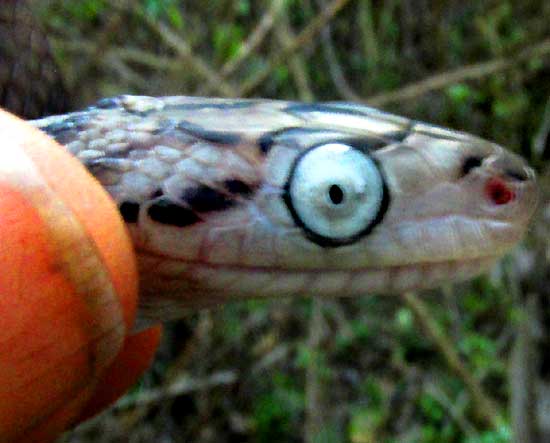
511 180
513 168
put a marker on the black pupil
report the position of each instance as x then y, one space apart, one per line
336 194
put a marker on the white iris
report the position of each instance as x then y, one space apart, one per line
336 191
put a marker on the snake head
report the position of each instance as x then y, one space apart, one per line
246 198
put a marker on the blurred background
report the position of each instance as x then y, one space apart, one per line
468 363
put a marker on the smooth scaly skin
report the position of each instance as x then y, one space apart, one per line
201 184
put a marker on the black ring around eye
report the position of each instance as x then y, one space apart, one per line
337 197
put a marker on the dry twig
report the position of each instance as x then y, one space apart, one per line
179 386
454 408
523 377
335 69
132 55
255 38
541 137
297 64
185 52
314 390
302 39
484 407
471 72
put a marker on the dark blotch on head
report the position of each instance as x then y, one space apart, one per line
205 199
265 142
168 213
129 211
235 186
217 137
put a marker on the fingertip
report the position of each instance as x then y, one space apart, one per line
68 285
135 358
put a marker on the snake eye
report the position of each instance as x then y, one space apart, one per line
336 193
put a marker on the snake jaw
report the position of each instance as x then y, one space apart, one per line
185 285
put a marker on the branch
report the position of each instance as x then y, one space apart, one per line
454 408
523 377
132 55
255 39
297 65
185 52
471 72
106 34
180 386
125 72
541 136
315 415
335 69
303 38
484 407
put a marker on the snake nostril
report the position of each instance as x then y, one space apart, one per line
471 163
